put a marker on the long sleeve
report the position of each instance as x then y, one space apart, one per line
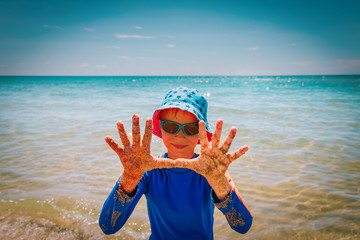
235 211
118 208
180 205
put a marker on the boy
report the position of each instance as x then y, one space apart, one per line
181 187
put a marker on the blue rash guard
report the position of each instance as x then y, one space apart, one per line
180 205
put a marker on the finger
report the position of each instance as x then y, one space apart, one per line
217 134
204 142
136 130
146 141
123 135
227 143
185 163
163 163
241 151
114 146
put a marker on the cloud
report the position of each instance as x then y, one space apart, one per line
84 65
304 63
101 66
89 29
351 62
253 48
138 27
170 45
293 44
53 27
123 57
123 36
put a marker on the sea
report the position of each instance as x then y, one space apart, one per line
300 177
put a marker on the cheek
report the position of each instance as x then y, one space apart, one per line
165 138
194 139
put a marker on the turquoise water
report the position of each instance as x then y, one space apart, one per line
300 177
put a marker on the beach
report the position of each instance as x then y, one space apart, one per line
300 177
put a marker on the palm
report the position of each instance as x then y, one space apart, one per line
213 161
136 158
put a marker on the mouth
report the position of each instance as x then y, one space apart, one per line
179 146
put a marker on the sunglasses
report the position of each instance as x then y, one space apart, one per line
189 129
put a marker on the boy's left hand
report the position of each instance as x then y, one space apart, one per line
214 161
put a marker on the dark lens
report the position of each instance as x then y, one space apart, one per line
170 127
192 129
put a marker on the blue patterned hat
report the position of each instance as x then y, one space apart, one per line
186 99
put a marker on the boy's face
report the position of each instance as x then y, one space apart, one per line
179 145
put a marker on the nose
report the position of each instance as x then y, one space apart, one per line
181 133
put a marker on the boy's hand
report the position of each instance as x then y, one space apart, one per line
214 161
136 157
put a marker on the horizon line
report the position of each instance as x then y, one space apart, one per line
190 75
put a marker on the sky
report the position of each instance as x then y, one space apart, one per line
187 37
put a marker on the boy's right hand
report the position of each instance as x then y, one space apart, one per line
136 157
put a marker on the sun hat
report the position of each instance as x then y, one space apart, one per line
186 99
